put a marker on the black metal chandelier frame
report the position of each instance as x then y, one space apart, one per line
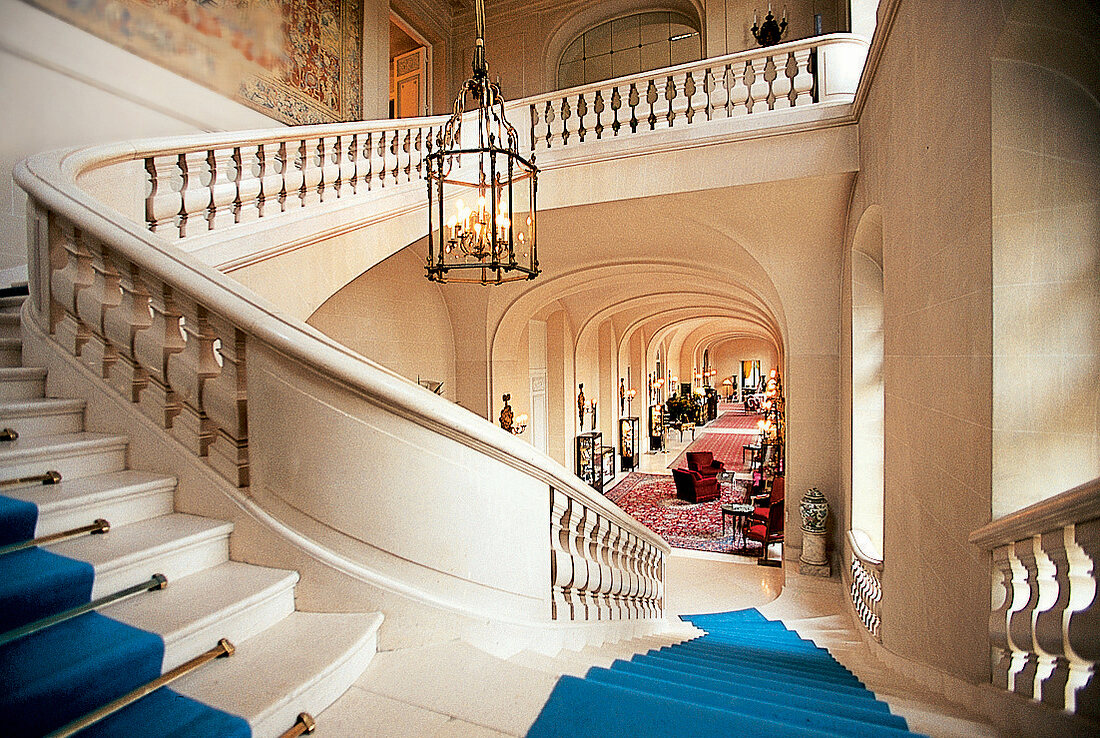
479 245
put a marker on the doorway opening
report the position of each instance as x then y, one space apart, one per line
410 75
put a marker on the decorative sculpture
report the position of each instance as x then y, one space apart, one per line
506 416
580 406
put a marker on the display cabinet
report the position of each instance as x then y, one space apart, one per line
628 443
590 459
656 428
607 453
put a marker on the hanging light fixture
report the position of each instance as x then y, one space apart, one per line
489 235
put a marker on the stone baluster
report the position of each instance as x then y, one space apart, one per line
1024 658
195 193
568 124
225 401
73 273
121 325
186 372
333 174
314 171
561 564
998 617
153 347
223 189
651 97
294 174
760 87
784 79
381 158
802 85
394 157
349 167
250 171
276 182
92 305
598 107
616 105
164 203
1083 622
740 77
366 154
406 154
1050 621
548 117
582 110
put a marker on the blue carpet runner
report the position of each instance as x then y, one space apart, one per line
56 675
747 674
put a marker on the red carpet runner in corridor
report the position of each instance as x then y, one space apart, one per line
723 437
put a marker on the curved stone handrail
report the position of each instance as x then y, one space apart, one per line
204 357
1045 630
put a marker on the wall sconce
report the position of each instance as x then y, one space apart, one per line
513 424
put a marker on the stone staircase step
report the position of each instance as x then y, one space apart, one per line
42 416
302 663
457 679
73 454
12 304
175 545
231 600
120 497
22 383
11 352
10 325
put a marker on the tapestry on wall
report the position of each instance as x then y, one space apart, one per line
298 61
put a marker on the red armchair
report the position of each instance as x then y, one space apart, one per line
704 463
695 487
766 523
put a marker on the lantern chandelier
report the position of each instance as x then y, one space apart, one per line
489 236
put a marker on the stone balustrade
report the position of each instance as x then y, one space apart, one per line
225 180
866 585
794 74
1044 625
600 570
190 348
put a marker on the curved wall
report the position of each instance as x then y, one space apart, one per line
394 316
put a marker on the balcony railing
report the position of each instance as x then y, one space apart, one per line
1044 625
823 69
200 184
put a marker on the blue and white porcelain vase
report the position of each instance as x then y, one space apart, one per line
815 511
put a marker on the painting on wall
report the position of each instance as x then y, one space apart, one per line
298 61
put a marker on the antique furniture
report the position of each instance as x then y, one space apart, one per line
628 443
704 463
589 459
694 487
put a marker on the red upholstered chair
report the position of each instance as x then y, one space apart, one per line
766 528
694 487
704 463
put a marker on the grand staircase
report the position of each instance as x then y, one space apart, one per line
273 662
747 674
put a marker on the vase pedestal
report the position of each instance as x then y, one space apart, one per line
814 560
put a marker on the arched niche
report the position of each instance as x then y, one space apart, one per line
868 398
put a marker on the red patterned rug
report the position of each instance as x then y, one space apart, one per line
651 500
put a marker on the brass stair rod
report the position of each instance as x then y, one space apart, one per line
157 581
224 648
304 725
50 477
8 434
99 526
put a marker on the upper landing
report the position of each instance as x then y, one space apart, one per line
236 200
